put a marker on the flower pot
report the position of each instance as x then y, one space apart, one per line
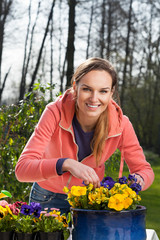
25 236
6 235
50 235
107 225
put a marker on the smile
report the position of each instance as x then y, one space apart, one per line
92 106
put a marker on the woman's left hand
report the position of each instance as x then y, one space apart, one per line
139 179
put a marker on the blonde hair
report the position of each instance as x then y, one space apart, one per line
101 129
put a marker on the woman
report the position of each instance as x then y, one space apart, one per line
76 134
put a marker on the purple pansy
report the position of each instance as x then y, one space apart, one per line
136 187
37 209
123 180
27 209
108 182
132 178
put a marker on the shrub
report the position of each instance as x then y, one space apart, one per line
17 122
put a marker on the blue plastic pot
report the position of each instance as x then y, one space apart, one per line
109 225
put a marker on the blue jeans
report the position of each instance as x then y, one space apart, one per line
49 199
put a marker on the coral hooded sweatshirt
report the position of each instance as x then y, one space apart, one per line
53 139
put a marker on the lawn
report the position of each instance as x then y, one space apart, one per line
151 199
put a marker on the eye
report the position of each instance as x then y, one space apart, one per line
104 91
86 89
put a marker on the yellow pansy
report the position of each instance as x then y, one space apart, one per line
90 187
123 186
104 198
3 212
69 195
65 189
92 197
71 203
78 191
127 202
62 219
116 202
117 185
8 210
55 212
133 194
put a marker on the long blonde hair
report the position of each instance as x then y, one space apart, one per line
101 129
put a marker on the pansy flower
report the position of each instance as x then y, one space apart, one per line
108 182
27 209
123 180
132 178
37 208
136 187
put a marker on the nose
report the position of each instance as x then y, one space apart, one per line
94 96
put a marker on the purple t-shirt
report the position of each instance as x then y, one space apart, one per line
82 139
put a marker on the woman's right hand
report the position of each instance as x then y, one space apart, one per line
82 171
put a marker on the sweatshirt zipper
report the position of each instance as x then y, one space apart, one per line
114 136
69 130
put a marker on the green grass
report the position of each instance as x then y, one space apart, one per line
151 200
151 196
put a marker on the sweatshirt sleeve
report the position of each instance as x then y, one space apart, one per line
133 154
31 166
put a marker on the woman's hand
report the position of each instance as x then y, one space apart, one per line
80 170
139 180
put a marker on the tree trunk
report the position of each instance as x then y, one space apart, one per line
70 43
26 58
5 9
89 30
126 55
3 85
109 26
41 48
102 33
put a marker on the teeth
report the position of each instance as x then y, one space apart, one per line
92 106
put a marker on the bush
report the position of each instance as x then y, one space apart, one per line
17 122
112 164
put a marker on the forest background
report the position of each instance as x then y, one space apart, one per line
47 40
41 44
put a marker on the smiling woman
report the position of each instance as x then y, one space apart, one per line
76 135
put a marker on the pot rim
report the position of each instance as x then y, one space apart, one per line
139 208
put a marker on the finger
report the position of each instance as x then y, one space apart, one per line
140 180
94 176
91 177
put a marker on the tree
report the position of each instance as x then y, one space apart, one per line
127 52
70 42
27 55
5 11
89 29
42 46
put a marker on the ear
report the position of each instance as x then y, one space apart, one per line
113 90
74 89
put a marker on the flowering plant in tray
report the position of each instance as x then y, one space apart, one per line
117 195
21 217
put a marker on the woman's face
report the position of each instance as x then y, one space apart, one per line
93 93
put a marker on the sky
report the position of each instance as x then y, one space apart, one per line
13 52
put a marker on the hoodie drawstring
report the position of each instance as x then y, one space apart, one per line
121 164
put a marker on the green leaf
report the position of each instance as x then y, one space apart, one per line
6 193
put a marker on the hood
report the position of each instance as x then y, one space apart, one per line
66 105
115 117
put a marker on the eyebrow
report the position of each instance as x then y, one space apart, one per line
84 85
